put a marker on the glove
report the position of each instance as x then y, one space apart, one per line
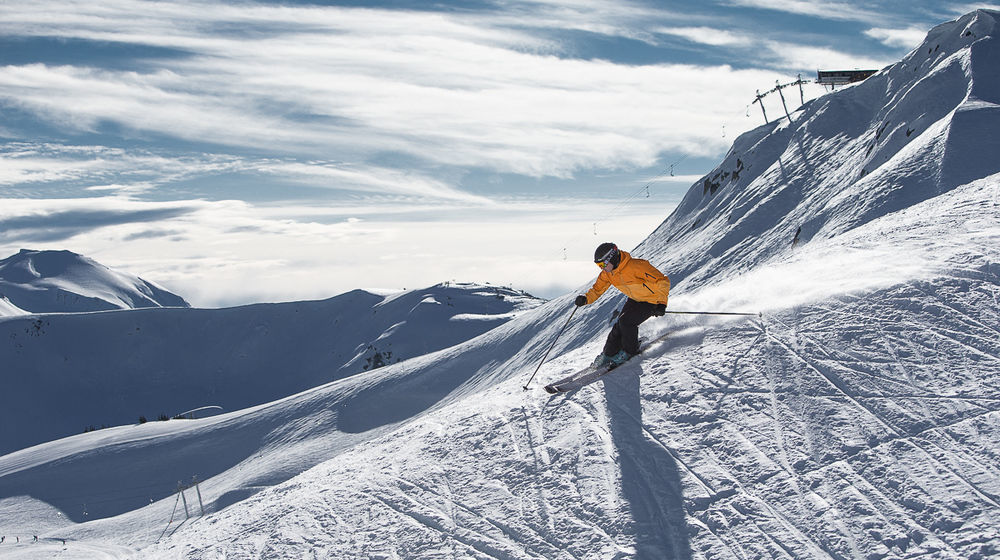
581 301
660 309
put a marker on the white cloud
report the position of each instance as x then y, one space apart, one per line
709 36
374 180
791 55
962 9
449 89
816 8
909 38
22 165
799 56
512 112
77 169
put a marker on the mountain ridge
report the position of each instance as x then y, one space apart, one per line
63 281
111 367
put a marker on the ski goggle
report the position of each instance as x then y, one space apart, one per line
607 258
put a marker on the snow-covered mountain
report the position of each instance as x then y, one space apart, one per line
108 369
62 281
858 418
8 309
912 132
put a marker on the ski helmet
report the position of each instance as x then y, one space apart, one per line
607 253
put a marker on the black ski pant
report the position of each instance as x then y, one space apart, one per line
625 334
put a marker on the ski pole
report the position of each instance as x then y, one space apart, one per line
713 313
550 348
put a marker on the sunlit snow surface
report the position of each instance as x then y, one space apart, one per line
858 417
63 281
856 425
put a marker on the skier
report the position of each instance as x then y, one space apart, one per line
647 289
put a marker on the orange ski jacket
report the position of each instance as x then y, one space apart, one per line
636 278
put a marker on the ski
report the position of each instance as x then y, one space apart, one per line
591 373
580 378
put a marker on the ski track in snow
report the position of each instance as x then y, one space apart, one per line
753 452
764 426
746 511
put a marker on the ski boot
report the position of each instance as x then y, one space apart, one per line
602 360
618 359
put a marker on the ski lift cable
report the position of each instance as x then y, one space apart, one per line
627 201
668 170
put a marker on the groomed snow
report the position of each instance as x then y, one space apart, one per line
859 424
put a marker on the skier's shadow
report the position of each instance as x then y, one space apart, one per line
650 478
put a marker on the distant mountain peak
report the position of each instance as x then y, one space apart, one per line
64 281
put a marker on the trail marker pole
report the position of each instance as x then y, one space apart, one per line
198 491
180 488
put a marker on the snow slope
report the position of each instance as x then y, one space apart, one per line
909 133
62 281
8 309
110 368
858 418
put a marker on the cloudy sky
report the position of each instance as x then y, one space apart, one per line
238 152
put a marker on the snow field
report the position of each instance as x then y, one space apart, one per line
855 426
